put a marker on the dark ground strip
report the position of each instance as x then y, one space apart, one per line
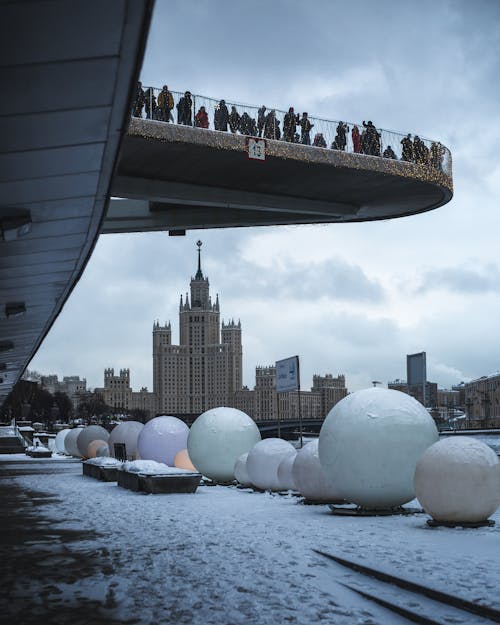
42 565
436 595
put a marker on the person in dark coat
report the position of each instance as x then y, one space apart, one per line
371 140
245 125
290 122
305 129
389 153
340 137
252 127
221 116
319 140
234 120
165 104
138 103
272 126
407 149
420 151
436 155
201 118
356 139
261 119
184 110
150 103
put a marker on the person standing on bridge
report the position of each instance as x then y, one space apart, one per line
407 149
356 139
261 119
138 103
184 110
165 104
305 129
290 122
340 138
221 116
234 120
150 103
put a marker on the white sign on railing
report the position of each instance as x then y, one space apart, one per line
256 149
287 375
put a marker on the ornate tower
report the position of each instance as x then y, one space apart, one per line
201 372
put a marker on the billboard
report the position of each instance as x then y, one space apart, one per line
287 374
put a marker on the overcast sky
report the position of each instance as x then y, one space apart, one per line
348 298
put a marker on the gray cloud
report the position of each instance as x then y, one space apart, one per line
431 69
464 279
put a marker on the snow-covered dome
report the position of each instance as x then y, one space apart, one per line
89 434
285 477
458 479
369 445
240 470
70 439
309 477
217 439
263 462
161 438
127 434
59 441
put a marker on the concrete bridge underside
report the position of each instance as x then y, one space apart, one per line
178 178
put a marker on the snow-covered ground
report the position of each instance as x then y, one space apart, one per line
220 556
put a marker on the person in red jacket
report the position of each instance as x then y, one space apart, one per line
201 118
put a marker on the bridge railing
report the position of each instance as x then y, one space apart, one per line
373 142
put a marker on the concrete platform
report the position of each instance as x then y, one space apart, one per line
181 177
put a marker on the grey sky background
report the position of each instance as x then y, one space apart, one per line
350 298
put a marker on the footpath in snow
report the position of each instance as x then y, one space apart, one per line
77 550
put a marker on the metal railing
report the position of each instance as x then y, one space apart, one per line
245 119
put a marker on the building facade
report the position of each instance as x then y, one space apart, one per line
74 387
482 401
263 403
118 394
205 369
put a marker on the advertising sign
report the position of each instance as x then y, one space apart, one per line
287 374
256 148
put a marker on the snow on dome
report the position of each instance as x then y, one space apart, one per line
309 477
151 467
369 445
183 461
217 439
263 462
104 462
458 479
127 434
70 445
94 447
161 438
240 470
285 477
59 441
89 434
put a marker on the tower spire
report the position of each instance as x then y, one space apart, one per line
199 273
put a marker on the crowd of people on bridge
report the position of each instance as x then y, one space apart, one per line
296 128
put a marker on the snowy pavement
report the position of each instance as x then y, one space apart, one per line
90 552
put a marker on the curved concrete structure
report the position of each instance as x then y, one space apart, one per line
71 69
193 178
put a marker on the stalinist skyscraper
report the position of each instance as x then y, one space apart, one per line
205 370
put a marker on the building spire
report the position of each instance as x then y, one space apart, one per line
199 274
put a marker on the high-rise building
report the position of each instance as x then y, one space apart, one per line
205 369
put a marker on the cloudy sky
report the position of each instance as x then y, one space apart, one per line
350 298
